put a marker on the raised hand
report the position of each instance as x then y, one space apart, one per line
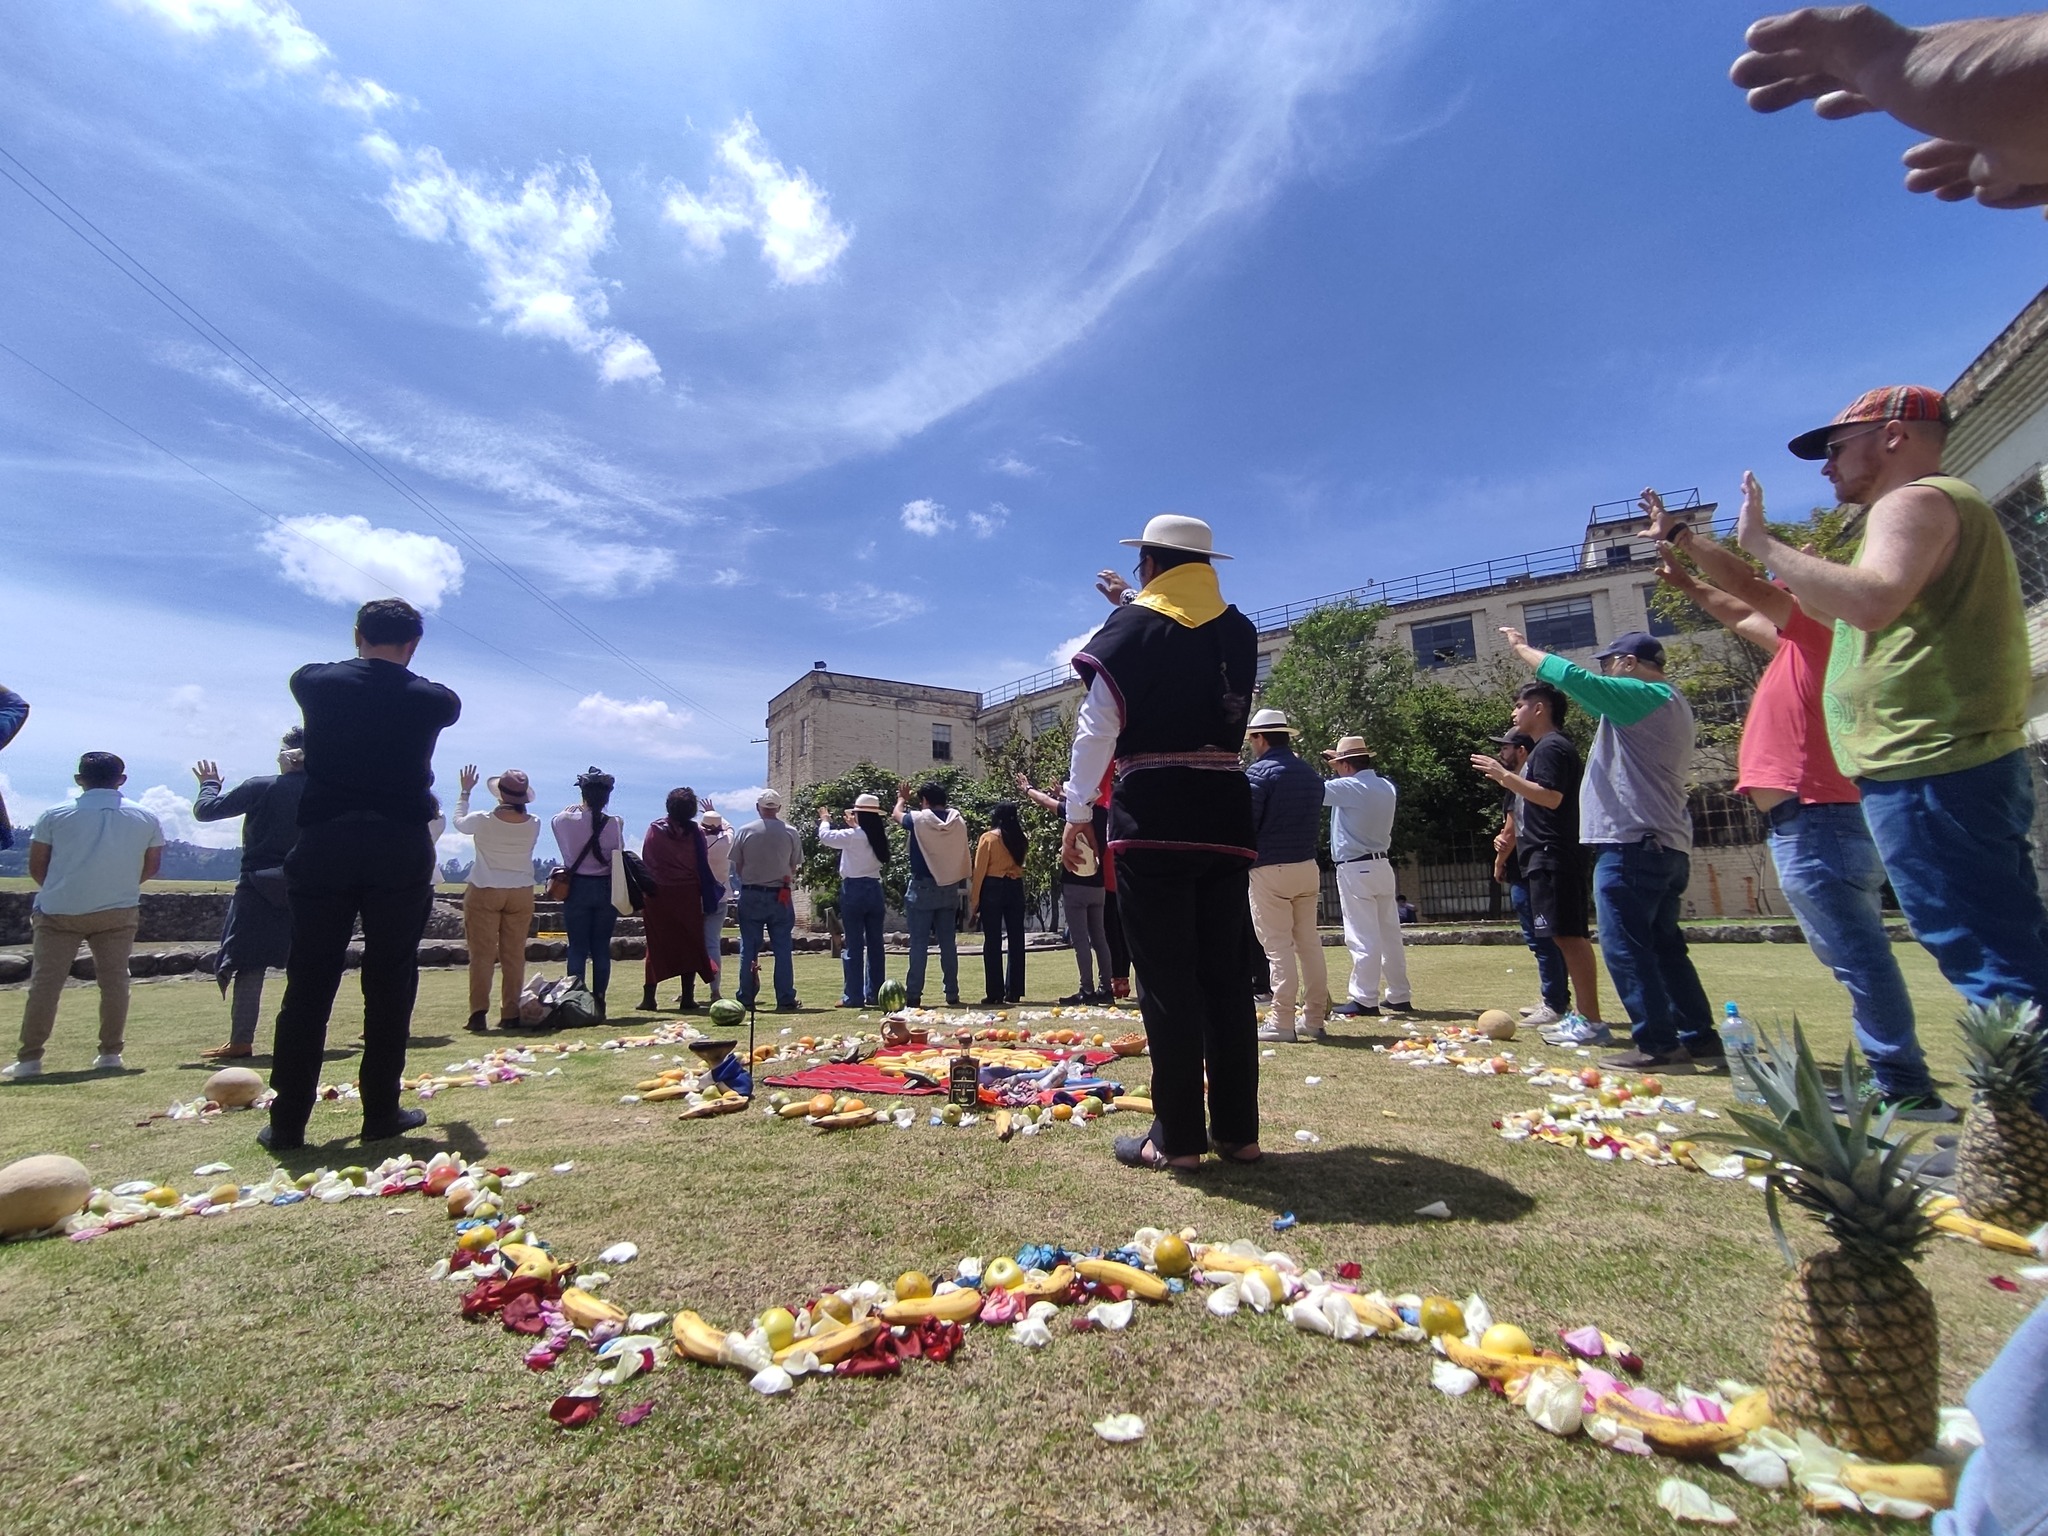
206 772
1490 766
1663 523
1112 585
469 777
1750 530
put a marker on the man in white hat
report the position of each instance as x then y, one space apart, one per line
1170 680
1287 820
1361 837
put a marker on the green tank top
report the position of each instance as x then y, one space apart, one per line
1944 686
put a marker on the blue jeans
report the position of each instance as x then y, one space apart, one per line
588 917
932 910
762 910
860 914
1551 976
1639 891
1955 846
1834 882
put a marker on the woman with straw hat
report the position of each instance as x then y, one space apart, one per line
497 907
863 845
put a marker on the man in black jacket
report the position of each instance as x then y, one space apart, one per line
364 851
257 935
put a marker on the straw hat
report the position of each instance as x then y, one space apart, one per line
512 787
866 803
1350 748
1269 722
1170 531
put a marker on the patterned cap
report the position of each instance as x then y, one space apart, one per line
1895 402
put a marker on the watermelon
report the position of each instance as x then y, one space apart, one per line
725 1013
890 996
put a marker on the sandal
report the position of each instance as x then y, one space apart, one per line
228 1052
1143 1152
1229 1150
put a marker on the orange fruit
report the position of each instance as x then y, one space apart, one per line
852 1105
821 1103
1063 1111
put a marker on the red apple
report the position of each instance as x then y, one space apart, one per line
1590 1078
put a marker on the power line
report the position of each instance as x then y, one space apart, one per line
136 271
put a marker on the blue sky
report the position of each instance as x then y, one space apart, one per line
760 335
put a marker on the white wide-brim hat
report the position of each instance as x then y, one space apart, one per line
1171 531
866 803
1268 722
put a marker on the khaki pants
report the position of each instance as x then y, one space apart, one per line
110 936
495 920
1284 917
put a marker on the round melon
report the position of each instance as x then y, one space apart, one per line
1497 1024
38 1192
234 1087
726 1013
890 996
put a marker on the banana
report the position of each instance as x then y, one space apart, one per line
1983 1232
961 1306
661 1092
795 1111
1751 1412
529 1262
1052 1288
1933 1486
1004 1129
846 1120
720 1107
1372 1314
1134 1101
1136 1281
1223 1262
698 1339
586 1311
1673 1436
1500 1367
831 1348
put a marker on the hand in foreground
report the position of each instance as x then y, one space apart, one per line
469 777
206 772
1750 530
1073 840
1672 574
1520 646
1492 767
1112 585
1663 522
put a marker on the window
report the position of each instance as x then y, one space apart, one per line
803 738
1045 719
999 735
942 743
1565 625
1657 623
1265 669
780 736
1620 554
2023 512
1444 642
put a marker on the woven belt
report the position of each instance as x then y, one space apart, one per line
1360 858
1209 760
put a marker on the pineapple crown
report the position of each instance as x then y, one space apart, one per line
2007 1052
1853 1177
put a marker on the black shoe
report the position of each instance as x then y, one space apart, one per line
479 1022
1076 1000
789 1007
1707 1049
992 1002
1393 1007
954 1002
687 1003
647 1002
1676 1059
1922 1109
405 1120
270 1141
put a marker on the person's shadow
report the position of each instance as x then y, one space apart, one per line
456 1136
1365 1187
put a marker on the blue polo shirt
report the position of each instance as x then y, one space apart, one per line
96 847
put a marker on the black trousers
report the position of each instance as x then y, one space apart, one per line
383 873
1002 917
1119 950
1188 920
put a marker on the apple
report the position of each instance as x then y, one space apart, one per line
1590 1078
1653 1086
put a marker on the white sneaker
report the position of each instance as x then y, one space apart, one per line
1272 1032
111 1063
19 1071
1578 1030
1539 1018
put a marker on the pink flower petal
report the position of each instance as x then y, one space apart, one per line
1585 1342
633 1415
1999 1282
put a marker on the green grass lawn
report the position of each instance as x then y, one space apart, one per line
294 1370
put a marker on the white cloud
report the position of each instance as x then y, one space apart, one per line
180 825
360 95
1009 464
985 524
866 601
925 517
1064 652
272 25
754 193
728 577
350 560
735 805
649 727
536 247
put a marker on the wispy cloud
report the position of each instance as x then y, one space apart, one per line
649 727
536 247
360 95
1009 464
867 602
753 193
273 26
727 577
925 518
1065 651
986 524
349 560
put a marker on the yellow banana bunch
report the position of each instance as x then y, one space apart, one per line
531 1263
586 1311
1672 1435
832 1347
1223 1262
961 1306
1933 1486
795 1111
698 1339
1149 1287
1052 1286
1495 1366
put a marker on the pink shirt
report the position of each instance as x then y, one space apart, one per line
1785 739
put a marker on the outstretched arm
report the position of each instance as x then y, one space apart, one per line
1911 539
1739 597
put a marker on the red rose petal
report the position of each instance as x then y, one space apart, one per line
633 1415
1349 1271
574 1412
1999 1282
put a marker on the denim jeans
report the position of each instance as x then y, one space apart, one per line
1639 891
1551 976
860 913
1834 882
588 917
1955 846
932 909
762 910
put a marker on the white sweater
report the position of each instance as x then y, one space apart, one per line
504 849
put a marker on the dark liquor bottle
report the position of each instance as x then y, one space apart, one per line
963 1084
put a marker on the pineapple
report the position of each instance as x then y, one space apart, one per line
2002 1163
1854 1352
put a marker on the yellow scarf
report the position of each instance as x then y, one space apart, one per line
1187 594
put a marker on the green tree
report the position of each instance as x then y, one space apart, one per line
820 873
1042 759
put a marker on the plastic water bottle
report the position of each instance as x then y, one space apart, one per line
1740 1041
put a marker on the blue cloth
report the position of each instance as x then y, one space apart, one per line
588 918
1955 846
1362 814
919 870
2004 1488
1551 975
925 921
1833 880
13 715
766 918
861 908
1639 891
1287 807
96 847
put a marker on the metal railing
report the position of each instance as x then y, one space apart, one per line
1625 511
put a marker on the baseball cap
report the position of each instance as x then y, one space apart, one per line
1520 739
1894 402
769 797
1636 643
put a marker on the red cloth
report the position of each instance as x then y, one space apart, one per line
850 1077
674 913
1785 739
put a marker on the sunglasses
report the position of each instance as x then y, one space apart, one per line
1835 444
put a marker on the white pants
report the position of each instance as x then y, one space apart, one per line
1372 932
1284 917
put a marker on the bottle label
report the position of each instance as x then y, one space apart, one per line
963 1086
